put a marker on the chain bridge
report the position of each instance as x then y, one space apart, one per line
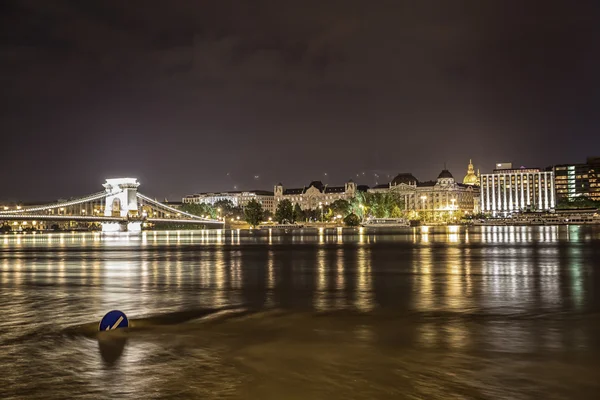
118 208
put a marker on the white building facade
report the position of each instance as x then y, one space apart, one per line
315 194
239 199
507 191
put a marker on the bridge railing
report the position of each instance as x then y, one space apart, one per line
46 217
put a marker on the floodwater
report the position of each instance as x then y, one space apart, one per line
444 313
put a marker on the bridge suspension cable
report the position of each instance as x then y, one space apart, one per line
171 209
92 197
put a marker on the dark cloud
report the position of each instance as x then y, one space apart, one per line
179 93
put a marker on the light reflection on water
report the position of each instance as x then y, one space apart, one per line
416 303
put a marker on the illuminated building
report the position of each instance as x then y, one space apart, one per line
471 179
574 181
238 198
316 193
441 195
508 190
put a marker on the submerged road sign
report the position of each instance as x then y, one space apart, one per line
112 320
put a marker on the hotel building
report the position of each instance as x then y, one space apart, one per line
316 193
574 181
441 195
509 190
238 198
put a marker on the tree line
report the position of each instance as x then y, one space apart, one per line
351 212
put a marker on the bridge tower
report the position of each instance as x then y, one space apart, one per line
121 201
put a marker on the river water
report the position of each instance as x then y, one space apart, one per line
444 313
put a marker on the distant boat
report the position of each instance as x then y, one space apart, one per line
489 222
280 226
386 223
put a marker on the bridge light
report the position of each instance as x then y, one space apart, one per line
5 208
34 223
18 207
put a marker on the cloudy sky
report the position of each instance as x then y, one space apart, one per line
193 96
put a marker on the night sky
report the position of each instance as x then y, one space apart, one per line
193 96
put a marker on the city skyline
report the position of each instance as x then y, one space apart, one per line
182 94
366 178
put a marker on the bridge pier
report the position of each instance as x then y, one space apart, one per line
113 227
134 226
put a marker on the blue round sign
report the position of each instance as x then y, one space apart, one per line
112 320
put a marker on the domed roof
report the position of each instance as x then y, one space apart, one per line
405 178
445 174
471 178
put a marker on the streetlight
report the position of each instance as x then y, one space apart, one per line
423 199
